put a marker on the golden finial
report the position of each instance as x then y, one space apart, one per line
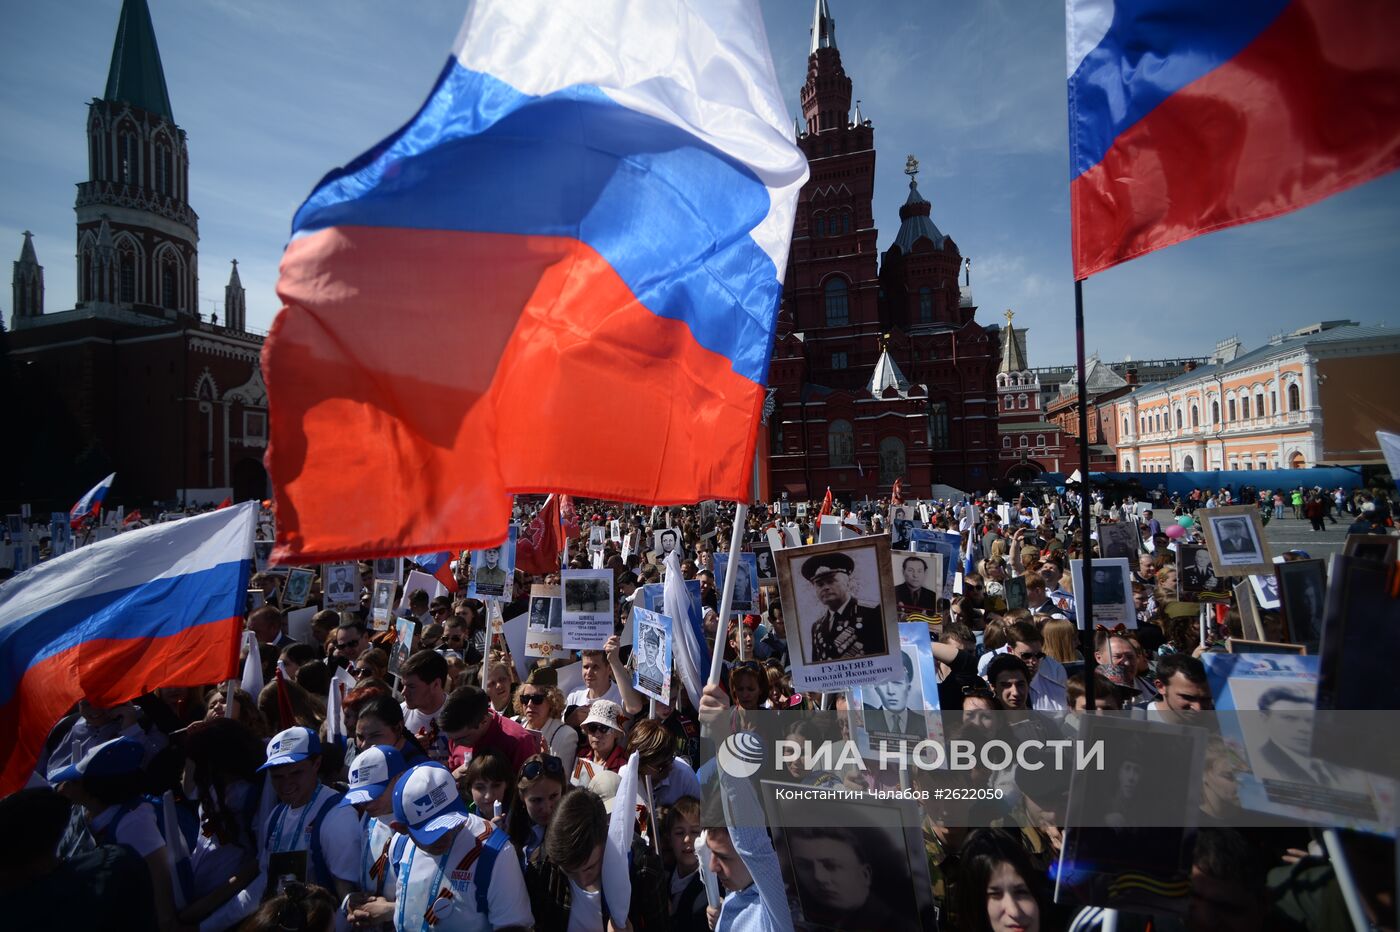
1009 314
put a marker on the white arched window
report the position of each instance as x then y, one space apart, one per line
1022 401
891 459
1006 443
1025 441
840 443
1040 440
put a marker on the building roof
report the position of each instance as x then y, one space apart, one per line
915 223
1282 345
1012 358
823 28
1098 379
136 76
886 375
27 255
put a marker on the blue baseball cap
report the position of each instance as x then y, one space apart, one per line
291 746
118 756
426 800
375 768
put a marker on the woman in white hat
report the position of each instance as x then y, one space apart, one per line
607 743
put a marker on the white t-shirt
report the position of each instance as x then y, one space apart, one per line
378 841
136 827
419 884
579 698
585 909
425 727
341 840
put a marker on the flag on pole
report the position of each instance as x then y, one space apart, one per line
341 683
132 518
687 631
252 680
159 606
439 566
227 502
537 549
622 823
595 202
1189 116
90 504
897 492
826 506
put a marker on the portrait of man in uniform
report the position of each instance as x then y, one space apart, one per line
912 592
848 629
489 576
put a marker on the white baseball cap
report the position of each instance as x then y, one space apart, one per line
426 800
291 746
375 768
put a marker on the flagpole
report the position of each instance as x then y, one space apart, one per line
726 604
1084 601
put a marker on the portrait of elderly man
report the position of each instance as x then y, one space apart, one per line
847 630
913 594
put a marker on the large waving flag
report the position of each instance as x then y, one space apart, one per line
90 504
1188 116
594 204
159 606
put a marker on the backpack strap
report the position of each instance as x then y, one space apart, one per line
320 870
495 843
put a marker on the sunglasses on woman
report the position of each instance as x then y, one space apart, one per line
533 698
595 728
547 764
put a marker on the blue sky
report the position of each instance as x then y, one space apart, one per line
273 94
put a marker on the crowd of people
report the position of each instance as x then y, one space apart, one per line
462 793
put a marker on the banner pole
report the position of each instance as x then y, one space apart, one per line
726 603
1084 601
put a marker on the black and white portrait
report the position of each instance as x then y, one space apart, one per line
767 569
900 527
1110 586
664 541
298 588
916 579
1302 594
1196 579
387 568
745 572
839 599
1120 540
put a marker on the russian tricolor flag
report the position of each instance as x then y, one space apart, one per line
158 606
90 504
439 566
1188 116
588 218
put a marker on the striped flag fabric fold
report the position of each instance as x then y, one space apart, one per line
1189 116
593 207
158 606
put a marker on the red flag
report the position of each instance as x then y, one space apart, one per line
133 517
225 503
897 493
537 549
286 716
826 505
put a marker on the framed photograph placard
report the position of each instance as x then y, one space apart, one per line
1112 589
298 588
1196 578
381 606
652 639
838 598
390 568
544 630
588 608
493 569
1302 595
340 586
1235 536
745 575
917 578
